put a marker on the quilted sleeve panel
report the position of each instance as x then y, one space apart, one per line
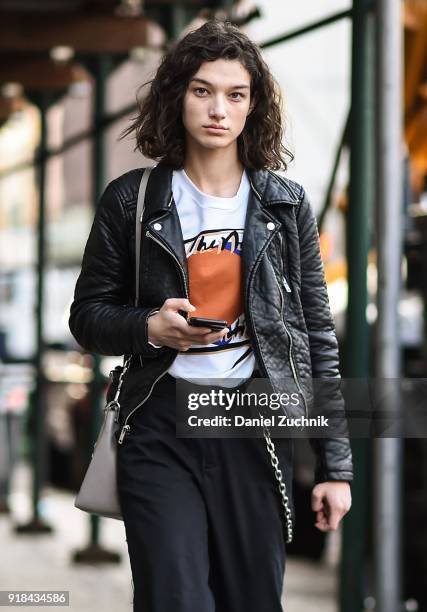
314 295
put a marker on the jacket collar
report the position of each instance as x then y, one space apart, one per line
269 188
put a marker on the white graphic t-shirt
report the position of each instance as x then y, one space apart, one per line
213 229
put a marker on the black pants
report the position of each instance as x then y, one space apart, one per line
203 518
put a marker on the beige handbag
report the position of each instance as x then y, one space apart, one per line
98 491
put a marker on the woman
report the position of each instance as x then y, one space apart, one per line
223 237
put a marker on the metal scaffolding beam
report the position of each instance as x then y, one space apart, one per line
389 198
356 353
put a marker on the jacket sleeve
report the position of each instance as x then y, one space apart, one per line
333 455
102 319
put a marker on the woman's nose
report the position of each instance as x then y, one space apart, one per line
218 109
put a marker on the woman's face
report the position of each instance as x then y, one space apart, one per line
217 95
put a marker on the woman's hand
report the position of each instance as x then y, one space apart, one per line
331 500
168 328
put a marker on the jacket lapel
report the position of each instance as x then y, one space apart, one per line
161 217
166 228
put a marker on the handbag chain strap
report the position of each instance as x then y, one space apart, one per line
282 487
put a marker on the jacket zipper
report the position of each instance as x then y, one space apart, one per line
285 282
125 429
247 301
294 373
291 358
288 289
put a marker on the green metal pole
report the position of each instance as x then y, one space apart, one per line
99 174
103 65
330 187
38 395
356 352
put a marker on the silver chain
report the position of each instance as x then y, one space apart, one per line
282 487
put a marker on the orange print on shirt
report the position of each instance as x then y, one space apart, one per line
215 284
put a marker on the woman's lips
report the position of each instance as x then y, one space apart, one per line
215 130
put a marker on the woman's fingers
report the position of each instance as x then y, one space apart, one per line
203 338
177 333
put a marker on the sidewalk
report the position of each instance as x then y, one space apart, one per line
44 562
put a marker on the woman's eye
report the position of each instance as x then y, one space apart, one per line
199 91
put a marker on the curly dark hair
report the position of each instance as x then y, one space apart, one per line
158 127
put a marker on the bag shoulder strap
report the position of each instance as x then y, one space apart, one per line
140 206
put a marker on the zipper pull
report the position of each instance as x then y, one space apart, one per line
140 218
286 285
124 431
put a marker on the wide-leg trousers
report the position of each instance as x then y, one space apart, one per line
203 516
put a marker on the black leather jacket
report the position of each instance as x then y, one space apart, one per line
285 295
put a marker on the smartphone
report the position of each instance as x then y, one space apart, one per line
213 324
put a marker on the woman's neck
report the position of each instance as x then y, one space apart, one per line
217 174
